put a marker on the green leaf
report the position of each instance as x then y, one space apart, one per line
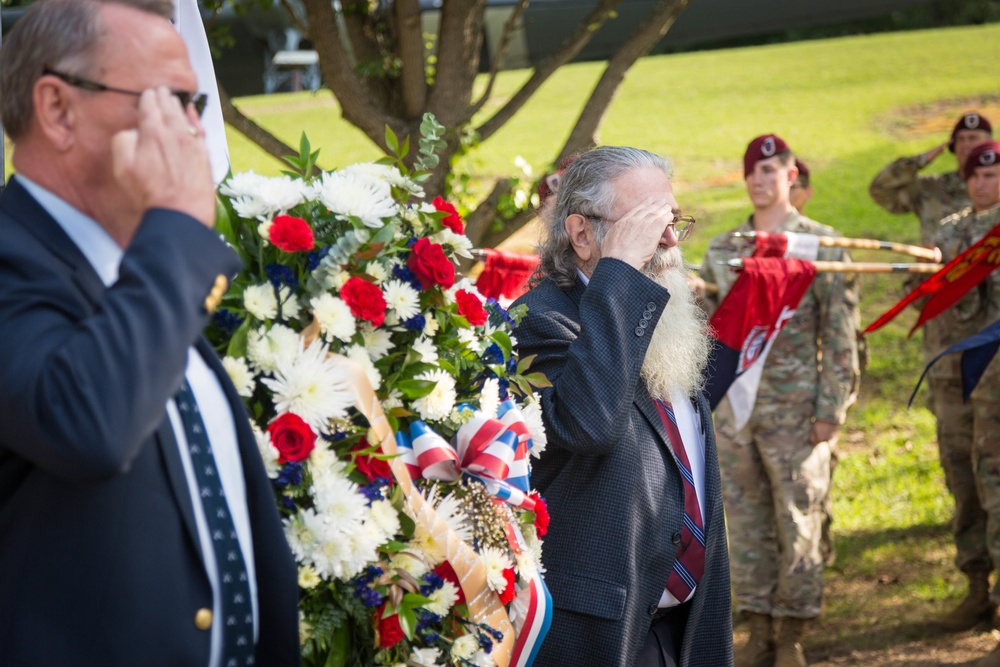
413 389
525 363
503 341
384 235
394 546
340 648
412 600
538 380
391 141
223 223
238 343
407 621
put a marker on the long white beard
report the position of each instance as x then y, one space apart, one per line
680 345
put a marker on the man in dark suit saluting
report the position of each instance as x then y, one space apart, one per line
138 524
636 557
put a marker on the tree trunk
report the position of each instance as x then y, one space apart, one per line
411 53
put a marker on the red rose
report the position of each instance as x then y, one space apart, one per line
293 438
365 300
369 466
430 266
510 592
447 572
453 220
389 632
471 308
291 234
541 514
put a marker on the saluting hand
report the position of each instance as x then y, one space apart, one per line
635 237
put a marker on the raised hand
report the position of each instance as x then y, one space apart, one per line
635 237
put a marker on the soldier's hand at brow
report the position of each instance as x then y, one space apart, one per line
635 237
932 154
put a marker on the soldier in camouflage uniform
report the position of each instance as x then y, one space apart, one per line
775 470
978 308
900 188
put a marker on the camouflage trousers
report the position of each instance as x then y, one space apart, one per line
986 462
775 484
955 446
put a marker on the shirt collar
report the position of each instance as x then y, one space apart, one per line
93 241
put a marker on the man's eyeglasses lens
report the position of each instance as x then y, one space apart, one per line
198 100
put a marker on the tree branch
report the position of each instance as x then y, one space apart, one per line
499 57
566 52
413 81
297 20
651 30
251 130
479 223
459 44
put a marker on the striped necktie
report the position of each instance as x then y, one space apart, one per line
234 586
690 563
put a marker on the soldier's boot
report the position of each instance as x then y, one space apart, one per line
759 650
975 608
788 651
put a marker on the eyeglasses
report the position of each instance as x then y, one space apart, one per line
682 225
197 100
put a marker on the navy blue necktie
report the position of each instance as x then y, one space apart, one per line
234 585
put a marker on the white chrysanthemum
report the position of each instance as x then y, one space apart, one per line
388 173
266 349
393 400
425 657
489 397
458 243
290 307
362 544
264 229
495 562
339 501
464 647
359 354
532 413
378 342
245 183
469 338
426 349
300 534
431 325
323 458
268 452
402 299
280 194
533 548
353 193
409 561
312 386
525 564
385 516
308 578
259 301
442 599
240 374
440 401
427 207
377 271
334 317
340 280
424 539
449 509
482 659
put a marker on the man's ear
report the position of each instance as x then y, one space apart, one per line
55 112
580 236
793 175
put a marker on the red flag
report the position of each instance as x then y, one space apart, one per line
506 274
786 244
761 301
950 283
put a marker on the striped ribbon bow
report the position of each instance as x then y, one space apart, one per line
494 451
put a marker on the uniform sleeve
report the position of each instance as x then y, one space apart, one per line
839 320
896 187
708 273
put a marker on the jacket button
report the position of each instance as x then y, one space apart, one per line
203 619
652 609
643 324
639 331
676 538
651 306
647 315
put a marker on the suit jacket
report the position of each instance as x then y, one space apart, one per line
100 560
610 477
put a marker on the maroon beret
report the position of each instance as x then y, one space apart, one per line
761 148
985 154
803 169
970 121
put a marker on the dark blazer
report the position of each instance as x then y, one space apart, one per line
100 560
611 479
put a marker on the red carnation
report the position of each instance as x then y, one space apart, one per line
541 514
365 300
447 572
470 307
389 632
430 265
453 220
292 437
291 234
369 466
510 592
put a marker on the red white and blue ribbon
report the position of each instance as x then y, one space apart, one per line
493 450
533 608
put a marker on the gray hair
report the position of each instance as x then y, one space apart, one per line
60 34
586 189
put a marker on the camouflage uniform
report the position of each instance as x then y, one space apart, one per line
774 480
899 188
977 309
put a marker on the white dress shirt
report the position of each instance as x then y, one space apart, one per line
105 256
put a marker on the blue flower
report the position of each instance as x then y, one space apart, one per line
415 323
227 320
315 257
288 502
291 474
425 619
498 314
372 492
368 595
432 583
279 274
485 642
493 354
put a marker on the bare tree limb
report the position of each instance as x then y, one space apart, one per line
459 43
251 130
566 52
365 35
499 57
651 30
413 84
297 19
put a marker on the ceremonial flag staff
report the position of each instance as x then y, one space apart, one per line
3 151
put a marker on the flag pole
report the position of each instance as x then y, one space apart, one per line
3 148
859 267
932 254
